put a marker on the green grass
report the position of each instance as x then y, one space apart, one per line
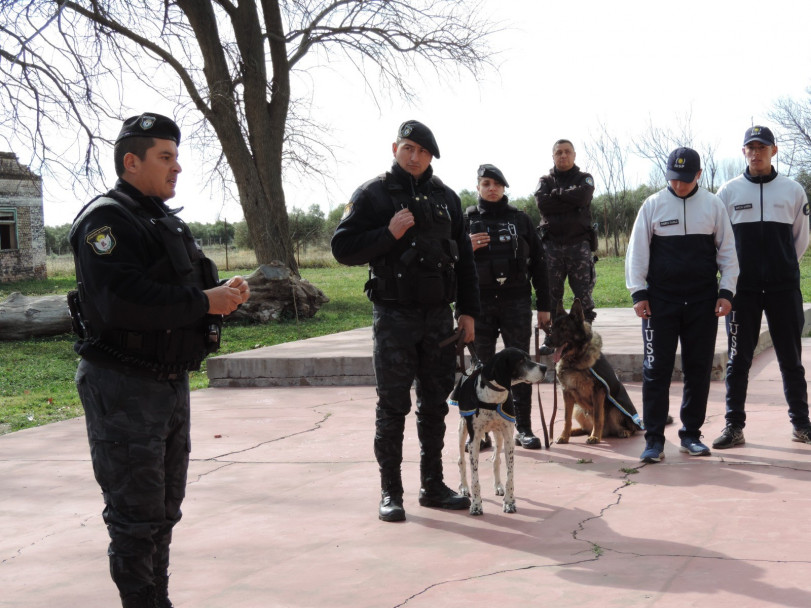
36 376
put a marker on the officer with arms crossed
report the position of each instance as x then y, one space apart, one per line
509 256
769 215
408 226
564 200
148 309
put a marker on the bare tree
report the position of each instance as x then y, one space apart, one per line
794 139
608 158
656 144
64 65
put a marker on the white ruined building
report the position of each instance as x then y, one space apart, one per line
22 225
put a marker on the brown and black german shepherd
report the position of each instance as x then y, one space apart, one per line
592 393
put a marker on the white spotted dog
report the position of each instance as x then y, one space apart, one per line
485 404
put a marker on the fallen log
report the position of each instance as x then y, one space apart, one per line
276 294
23 317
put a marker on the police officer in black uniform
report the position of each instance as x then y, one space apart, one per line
148 309
564 200
408 226
509 256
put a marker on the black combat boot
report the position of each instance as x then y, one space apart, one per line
162 592
143 598
523 426
391 500
434 492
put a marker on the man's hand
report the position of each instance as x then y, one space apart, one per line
468 325
223 300
544 320
642 309
722 307
240 283
400 223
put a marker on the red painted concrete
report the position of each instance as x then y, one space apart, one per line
281 511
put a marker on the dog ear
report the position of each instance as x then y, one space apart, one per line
559 310
577 311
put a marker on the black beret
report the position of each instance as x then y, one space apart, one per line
492 172
150 124
419 133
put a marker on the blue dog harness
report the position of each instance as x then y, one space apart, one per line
465 392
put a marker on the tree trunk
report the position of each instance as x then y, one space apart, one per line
23 317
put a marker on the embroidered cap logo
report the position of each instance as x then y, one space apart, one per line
147 122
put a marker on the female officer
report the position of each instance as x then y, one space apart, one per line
510 261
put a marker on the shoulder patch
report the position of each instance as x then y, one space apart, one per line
347 210
806 210
101 241
590 181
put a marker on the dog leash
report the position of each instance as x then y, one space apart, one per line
538 387
458 336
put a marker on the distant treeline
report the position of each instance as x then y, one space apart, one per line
614 214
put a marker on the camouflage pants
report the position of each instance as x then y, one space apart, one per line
576 262
138 429
406 347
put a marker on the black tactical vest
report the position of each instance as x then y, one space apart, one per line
168 351
421 268
504 263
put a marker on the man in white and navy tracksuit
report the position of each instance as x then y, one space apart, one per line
769 215
681 239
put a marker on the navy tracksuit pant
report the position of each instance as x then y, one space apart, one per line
784 313
696 326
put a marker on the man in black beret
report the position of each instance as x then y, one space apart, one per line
148 309
408 226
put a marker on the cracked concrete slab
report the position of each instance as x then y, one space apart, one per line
281 511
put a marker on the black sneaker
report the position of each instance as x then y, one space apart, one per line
730 437
802 434
442 497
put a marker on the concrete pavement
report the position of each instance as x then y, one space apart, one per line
281 511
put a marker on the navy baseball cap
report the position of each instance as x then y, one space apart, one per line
757 133
492 172
419 133
683 164
150 124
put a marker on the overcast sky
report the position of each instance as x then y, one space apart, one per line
563 69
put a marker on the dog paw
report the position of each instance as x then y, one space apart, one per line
624 434
509 507
476 510
593 440
464 491
499 490
563 439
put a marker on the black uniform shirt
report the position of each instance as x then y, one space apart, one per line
363 234
536 265
122 270
564 200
